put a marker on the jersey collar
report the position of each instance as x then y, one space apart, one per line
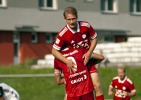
78 28
122 81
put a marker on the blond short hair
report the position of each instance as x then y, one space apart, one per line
70 10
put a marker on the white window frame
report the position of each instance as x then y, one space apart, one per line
4 3
54 7
115 7
51 38
36 37
135 12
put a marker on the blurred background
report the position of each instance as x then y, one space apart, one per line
28 29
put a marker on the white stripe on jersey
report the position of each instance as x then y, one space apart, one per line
63 31
95 35
85 24
56 47
129 81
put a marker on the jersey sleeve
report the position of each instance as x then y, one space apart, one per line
93 33
58 43
60 40
112 83
131 86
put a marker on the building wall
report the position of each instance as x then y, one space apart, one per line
30 50
27 49
6 47
20 13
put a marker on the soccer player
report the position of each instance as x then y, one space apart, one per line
78 34
78 84
9 93
123 86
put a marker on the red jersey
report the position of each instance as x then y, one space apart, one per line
78 83
120 86
76 39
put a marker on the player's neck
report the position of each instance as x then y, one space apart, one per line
122 78
75 28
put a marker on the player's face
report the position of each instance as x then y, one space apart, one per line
71 20
121 74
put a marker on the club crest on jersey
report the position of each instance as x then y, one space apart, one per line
57 41
84 36
124 88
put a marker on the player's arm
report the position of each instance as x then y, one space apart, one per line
97 58
1 93
110 90
125 93
59 56
90 51
59 78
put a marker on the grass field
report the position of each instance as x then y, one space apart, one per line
45 88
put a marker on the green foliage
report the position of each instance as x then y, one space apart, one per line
45 88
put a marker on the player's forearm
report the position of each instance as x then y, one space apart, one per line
58 55
131 93
59 79
110 91
93 45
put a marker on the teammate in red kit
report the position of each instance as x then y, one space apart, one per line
123 86
78 34
78 84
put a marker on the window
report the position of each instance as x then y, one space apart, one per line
34 37
3 3
49 38
135 6
48 4
109 6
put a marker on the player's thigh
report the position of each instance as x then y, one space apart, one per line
95 78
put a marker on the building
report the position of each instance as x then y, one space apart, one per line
28 27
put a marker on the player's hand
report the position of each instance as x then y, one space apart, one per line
124 93
86 58
70 65
110 93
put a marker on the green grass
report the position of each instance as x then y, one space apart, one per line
45 88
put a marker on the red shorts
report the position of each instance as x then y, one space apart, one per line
91 66
89 96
